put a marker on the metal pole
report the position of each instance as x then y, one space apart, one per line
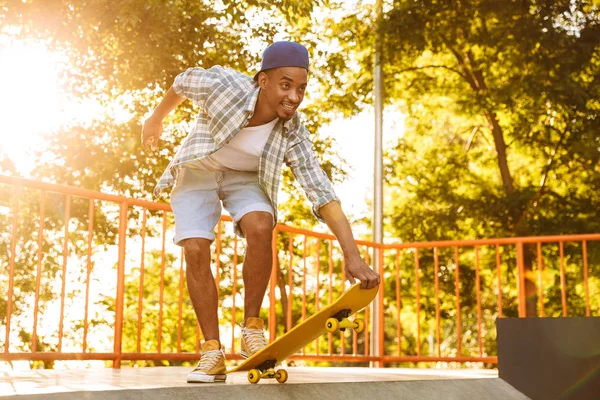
378 178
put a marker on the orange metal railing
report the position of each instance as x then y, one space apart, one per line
92 276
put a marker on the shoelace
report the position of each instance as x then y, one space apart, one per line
209 359
255 339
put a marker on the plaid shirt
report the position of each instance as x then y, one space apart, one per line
227 99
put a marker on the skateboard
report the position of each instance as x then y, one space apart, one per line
332 318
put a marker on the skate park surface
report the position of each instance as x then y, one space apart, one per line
304 382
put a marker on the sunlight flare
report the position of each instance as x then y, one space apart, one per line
31 99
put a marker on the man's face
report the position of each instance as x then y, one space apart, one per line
284 89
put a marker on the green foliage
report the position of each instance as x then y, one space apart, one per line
136 44
473 80
501 124
155 315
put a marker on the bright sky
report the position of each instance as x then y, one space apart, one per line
31 101
355 141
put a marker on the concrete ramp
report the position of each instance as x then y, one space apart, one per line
164 383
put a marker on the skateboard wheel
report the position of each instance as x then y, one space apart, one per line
253 376
281 376
332 325
359 325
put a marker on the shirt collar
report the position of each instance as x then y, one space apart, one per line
287 125
250 104
251 100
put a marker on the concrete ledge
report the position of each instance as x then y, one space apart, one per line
457 389
330 383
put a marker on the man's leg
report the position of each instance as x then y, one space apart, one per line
197 209
201 286
258 262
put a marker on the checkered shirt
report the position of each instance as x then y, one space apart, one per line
226 99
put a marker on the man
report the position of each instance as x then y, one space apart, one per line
245 131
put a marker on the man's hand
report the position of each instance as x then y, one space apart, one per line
356 268
153 127
151 132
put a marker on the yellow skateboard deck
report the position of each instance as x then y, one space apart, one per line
329 319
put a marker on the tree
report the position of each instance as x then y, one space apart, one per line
501 104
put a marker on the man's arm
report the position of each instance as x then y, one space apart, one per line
153 126
304 164
356 268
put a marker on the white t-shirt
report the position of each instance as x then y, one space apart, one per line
242 153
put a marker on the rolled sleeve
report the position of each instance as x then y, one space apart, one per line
303 161
196 84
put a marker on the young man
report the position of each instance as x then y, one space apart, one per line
245 131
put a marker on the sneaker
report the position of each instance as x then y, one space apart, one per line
211 367
253 336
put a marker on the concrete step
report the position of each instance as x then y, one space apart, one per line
304 383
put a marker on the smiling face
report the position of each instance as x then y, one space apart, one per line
283 90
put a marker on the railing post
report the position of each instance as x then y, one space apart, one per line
11 273
521 280
380 327
120 284
273 284
378 94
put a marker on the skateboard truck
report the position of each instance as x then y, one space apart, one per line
266 370
340 321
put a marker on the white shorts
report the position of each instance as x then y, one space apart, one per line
197 196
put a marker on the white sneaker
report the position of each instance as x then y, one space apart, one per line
211 367
253 337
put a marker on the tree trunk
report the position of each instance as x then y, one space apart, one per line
472 73
500 145
531 294
474 76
